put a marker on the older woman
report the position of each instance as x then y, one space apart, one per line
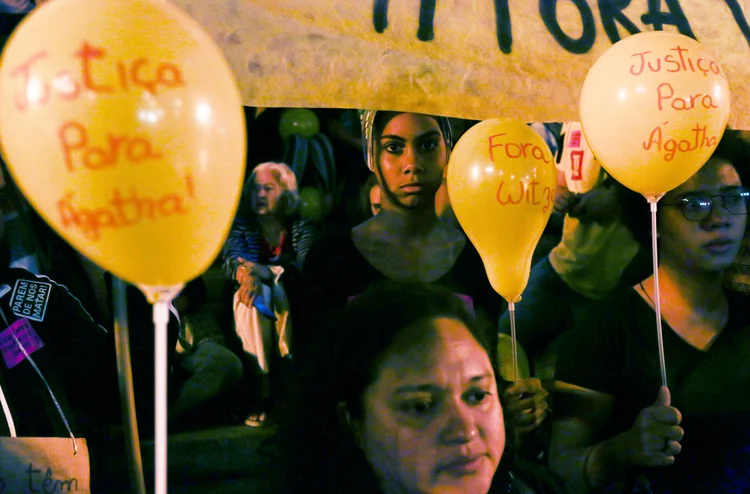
616 427
263 255
401 398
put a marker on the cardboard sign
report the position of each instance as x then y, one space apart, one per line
43 465
473 59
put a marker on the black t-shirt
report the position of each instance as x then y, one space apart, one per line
335 271
618 355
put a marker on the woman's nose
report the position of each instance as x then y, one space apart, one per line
719 216
411 160
460 426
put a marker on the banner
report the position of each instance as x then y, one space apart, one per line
473 59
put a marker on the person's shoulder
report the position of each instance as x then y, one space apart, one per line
10 275
303 224
17 278
41 298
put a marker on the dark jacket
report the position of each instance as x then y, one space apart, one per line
77 360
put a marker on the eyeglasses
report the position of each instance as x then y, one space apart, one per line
697 207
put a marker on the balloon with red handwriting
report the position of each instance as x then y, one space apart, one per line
653 108
501 184
128 137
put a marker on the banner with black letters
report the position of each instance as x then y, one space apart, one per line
472 59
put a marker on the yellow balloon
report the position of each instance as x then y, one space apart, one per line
653 108
501 185
121 122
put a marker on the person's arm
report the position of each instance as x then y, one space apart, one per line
304 234
575 453
237 247
588 462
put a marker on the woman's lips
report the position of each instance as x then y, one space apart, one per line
412 188
465 465
720 246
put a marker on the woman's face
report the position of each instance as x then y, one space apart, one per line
411 153
266 193
375 199
708 245
432 420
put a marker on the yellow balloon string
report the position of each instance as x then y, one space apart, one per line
514 348
657 298
161 320
160 297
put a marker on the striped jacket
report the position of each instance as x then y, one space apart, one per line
244 241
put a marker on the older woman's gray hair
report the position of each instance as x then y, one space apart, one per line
284 177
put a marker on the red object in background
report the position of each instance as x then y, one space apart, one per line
576 161
575 139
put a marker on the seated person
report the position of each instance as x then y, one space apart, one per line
263 256
401 397
614 427
206 369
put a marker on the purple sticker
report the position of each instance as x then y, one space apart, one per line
18 341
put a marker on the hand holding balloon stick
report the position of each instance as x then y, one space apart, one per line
134 152
653 108
501 184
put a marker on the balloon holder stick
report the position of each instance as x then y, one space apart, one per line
514 346
160 297
657 298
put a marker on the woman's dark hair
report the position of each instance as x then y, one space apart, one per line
319 453
636 214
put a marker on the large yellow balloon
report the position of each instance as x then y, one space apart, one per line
653 108
122 124
501 184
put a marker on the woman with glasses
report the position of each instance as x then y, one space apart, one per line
616 429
